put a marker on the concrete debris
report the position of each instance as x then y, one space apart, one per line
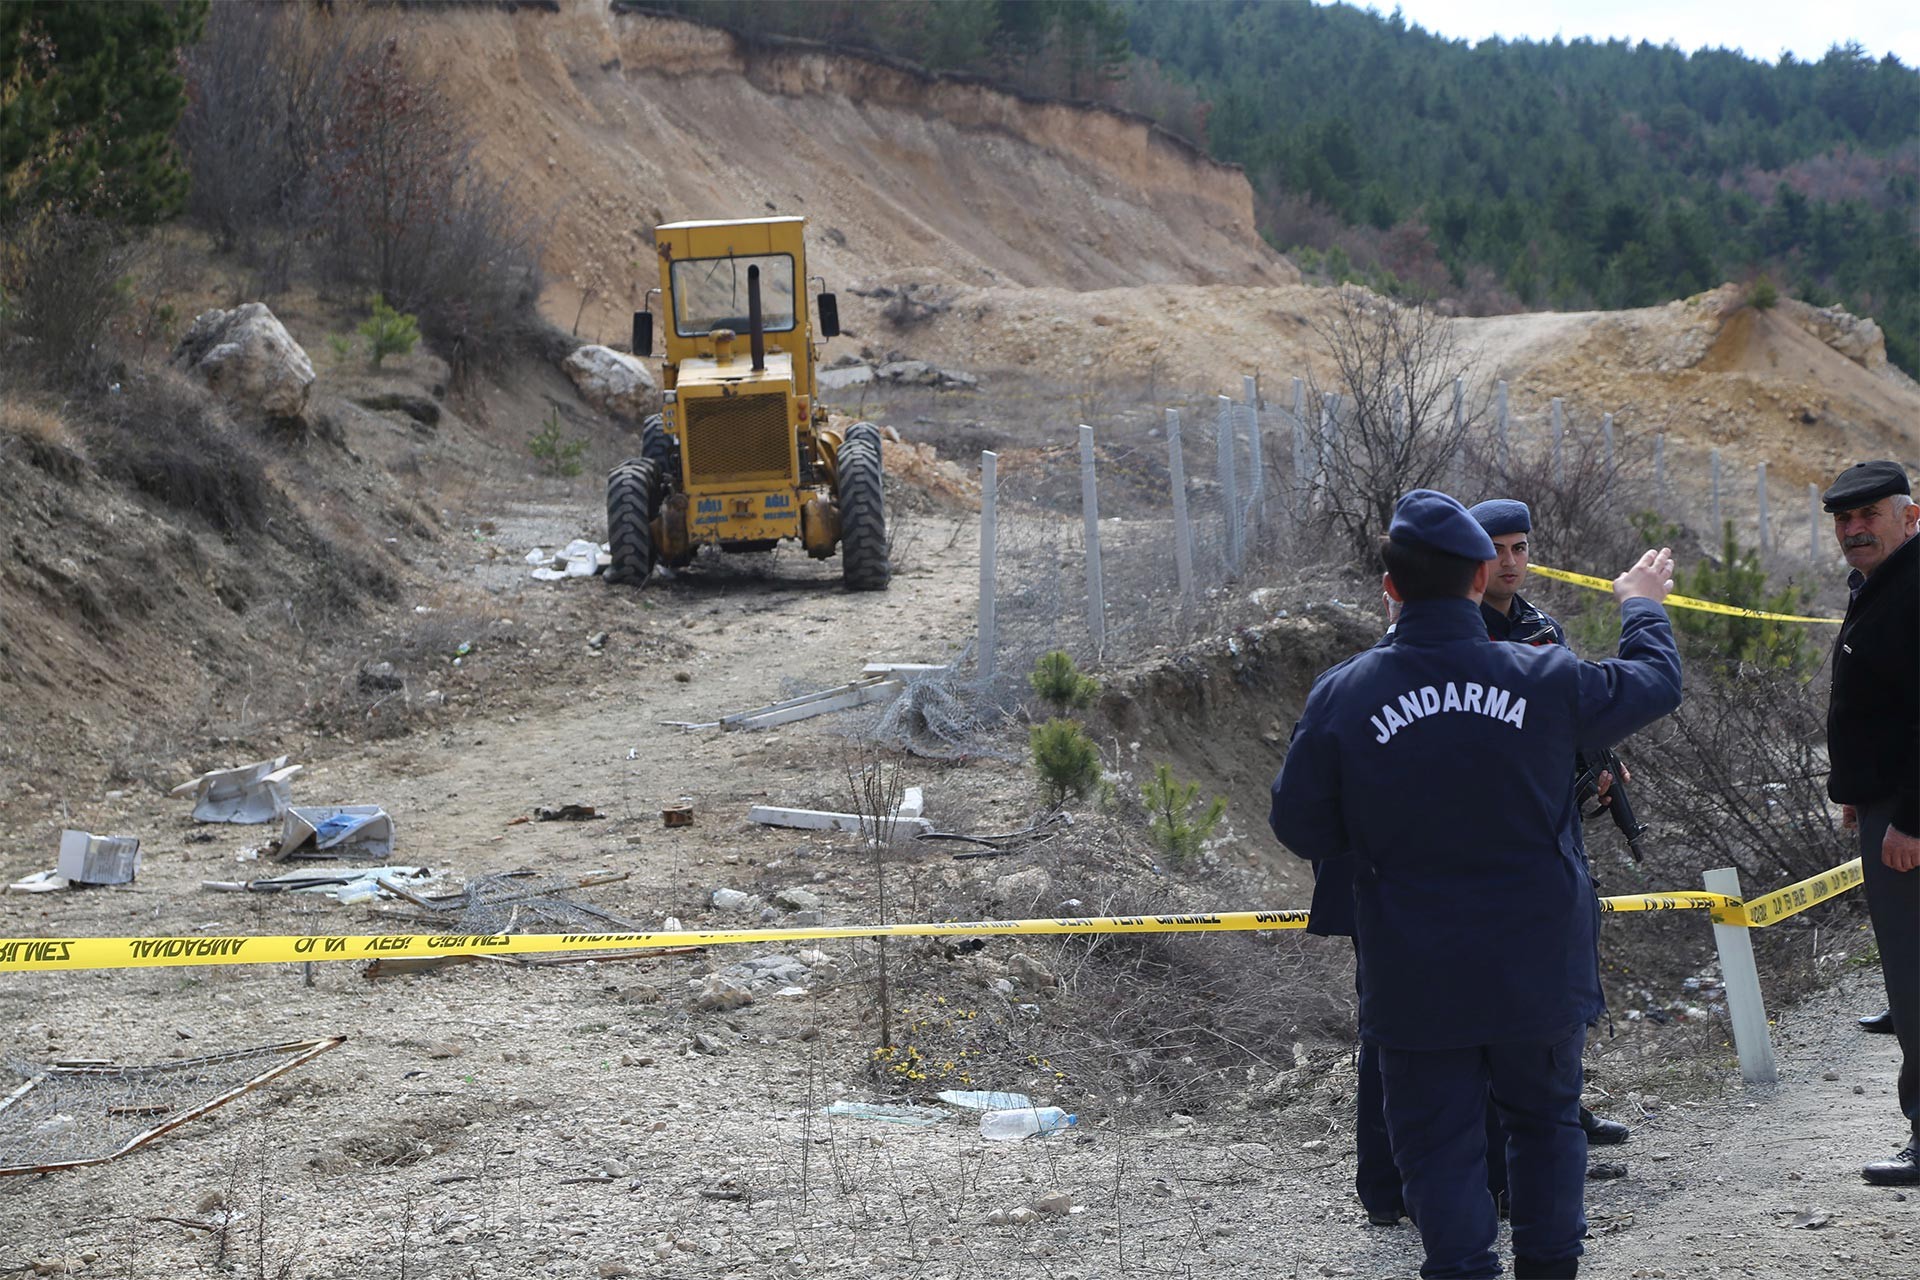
578 559
796 899
735 900
907 819
857 693
91 859
257 792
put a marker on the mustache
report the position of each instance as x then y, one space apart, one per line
1861 540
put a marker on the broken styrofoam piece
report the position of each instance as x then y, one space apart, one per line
257 792
40 882
344 830
578 559
769 815
913 803
91 859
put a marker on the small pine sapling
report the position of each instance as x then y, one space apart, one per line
1066 760
1059 683
1174 828
388 332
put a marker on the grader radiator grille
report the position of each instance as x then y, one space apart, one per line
737 438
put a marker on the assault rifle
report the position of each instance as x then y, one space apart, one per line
1586 786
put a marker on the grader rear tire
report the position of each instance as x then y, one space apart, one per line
657 447
863 519
632 496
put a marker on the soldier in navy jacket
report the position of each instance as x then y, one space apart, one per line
1475 929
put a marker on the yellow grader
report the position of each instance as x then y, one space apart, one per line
742 455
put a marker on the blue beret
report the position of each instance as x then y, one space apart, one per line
1502 515
1426 517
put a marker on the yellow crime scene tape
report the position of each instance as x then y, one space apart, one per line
1680 602
18 955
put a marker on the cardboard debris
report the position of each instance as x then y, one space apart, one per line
40 882
91 859
578 559
257 792
337 831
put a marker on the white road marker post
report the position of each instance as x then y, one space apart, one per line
1745 1009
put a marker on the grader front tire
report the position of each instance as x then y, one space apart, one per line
632 495
863 520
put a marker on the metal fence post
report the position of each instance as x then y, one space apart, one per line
1760 487
1813 523
1257 500
1660 473
1501 455
1606 433
1714 510
1182 530
1559 442
1229 483
1323 447
1745 1009
1457 443
1300 476
1090 506
983 660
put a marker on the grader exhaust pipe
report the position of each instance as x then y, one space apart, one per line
756 331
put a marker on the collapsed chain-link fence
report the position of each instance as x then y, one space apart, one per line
82 1113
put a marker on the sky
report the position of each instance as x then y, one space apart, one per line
1760 28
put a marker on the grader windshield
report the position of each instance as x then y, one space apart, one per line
711 293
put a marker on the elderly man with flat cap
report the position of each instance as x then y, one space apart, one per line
1475 928
1873 748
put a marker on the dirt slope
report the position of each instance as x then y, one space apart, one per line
616 122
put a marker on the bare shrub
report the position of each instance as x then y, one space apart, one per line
169 438
1396 424
1582 505
60 288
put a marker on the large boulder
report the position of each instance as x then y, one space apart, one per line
1855 337
249 359
613 382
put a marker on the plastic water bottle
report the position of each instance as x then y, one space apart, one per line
1009 1126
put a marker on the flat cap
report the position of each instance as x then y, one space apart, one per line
1865 483
1502 515
1429 518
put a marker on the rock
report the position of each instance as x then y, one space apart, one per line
613 382
1829 1075
1056 1203
1857 338
719 994
704 1043
1022 888
444 1049
1250 1152
734 900
852 376
1022 1216
796 899
248 358
612 1270
997 1218
1314 1144
918 373
1030 973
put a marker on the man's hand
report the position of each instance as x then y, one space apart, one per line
1605 780
1650 578
1899 850
1849 817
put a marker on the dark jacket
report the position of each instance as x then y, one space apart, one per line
1523 623
1873 714
1476 923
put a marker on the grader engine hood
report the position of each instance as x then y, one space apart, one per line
738 437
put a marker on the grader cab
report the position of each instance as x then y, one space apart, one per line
742 455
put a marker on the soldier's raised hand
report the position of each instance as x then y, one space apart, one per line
1650 578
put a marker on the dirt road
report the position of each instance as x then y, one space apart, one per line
487 1121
